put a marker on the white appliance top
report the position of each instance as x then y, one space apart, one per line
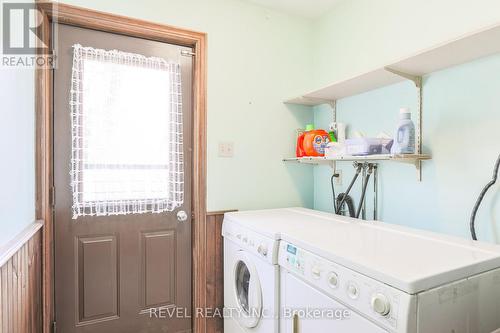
275 222
408 259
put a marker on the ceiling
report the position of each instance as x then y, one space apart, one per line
305 8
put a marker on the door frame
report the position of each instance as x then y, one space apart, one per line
96 20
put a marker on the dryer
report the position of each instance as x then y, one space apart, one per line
387 278
319 295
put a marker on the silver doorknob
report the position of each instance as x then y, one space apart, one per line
182 216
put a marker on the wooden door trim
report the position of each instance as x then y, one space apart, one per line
96 20
215 271
221 212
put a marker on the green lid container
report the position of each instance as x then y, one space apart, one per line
309 127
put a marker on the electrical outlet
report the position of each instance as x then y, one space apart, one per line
338 180
226 149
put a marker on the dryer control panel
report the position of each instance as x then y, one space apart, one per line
383 304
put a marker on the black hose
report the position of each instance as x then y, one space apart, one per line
333 191
358 171
349 202
481 197
363 193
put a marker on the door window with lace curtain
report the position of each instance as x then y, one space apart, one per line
126 119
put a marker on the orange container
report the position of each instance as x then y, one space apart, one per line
299 150
315 142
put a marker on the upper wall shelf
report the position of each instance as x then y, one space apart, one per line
464 49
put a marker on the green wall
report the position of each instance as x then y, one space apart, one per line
259 57
461 131
461 110
256 59
359 35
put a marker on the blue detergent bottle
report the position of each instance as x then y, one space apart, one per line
404 138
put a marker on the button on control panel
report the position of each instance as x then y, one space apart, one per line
333 280
352 290
316 272
262 249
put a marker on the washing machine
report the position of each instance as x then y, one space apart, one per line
251 278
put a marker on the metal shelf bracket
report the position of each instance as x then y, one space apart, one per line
415 78
418 131
333 105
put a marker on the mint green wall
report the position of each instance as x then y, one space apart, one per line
461 131
256 59
461 108
17 148
259 57
360 35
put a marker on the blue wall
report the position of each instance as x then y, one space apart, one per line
461 129
17 148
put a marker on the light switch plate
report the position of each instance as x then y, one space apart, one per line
226 149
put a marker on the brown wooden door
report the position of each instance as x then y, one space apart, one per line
110 270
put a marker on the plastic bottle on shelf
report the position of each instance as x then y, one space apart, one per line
404 137
340 132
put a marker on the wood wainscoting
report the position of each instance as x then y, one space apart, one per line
20 281
215 269
21 289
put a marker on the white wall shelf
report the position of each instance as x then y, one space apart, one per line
409 158
467 48
455 52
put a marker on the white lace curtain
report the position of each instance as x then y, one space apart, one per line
127 148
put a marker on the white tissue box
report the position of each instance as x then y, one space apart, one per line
367 146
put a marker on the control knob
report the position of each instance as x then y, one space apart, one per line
262 249
380 304
333 279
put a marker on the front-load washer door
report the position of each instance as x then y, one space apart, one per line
248 291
